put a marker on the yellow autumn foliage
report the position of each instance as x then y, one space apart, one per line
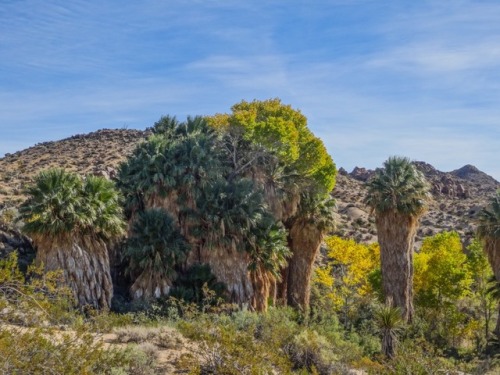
346 274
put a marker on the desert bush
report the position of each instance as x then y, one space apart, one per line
105 321
34 298
233 345
311 351
419 357
48 351
42 333
161 337
7 216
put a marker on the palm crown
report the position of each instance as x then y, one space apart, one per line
62 203
155 244
398 187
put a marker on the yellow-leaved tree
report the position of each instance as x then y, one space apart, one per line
346 277
442 280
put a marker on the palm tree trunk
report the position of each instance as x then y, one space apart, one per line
85 265
305 241
492 248
261 284
396 234
229 266
150 285
282 287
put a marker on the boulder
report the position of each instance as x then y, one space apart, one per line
12 240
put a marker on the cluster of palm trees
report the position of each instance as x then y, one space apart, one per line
196 192
233 203
217 192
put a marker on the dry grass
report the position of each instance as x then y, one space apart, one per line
162 337
170 350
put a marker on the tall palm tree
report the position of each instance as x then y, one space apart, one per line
398 195
306 232
269 253
70 220
155 248
488 231
228 216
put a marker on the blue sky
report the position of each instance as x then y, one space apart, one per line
374 78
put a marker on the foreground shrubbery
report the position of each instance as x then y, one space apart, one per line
42 332
50 351
226 340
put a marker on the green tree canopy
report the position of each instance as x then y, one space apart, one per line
283 131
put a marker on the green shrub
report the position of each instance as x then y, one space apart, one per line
231 344
7 216
48 351
35 298
190 285
309 350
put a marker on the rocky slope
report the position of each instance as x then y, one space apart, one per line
457 195
99 153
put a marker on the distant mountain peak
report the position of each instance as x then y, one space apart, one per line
466 171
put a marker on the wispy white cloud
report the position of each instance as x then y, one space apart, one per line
374 79
432 57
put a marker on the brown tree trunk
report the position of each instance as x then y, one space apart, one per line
396 234
282 288
305 241
492 248
85 265
389 341
261 283
229 266
150 285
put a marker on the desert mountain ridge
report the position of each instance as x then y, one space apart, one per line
457 195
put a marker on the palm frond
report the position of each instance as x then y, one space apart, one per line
398 187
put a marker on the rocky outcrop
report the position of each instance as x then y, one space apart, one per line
12 240
361 174
99 153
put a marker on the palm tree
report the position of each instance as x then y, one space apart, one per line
306 232
171 168
488 231
229 213
70 220
155 248
269 253
397 194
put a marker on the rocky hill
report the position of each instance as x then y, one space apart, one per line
457 195
99 153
